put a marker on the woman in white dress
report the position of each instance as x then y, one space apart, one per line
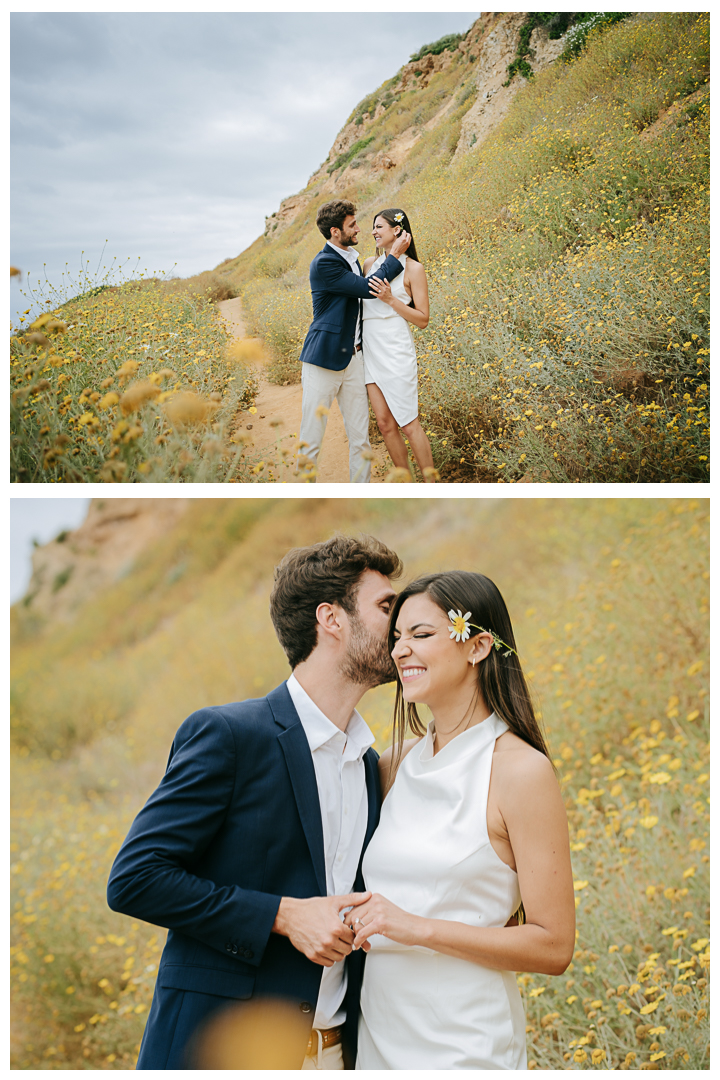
389 349
473 821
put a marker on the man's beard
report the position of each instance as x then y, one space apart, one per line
367 660
348 240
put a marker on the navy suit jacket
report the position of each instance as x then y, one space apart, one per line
336 290
234 825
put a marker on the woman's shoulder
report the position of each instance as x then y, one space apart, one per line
413 267
516 763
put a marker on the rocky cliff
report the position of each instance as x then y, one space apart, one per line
69 569
480 64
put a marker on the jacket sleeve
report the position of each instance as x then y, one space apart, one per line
152 877
336 278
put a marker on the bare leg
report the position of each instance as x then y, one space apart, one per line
420 446
389 428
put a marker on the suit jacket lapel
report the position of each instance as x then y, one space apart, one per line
298 759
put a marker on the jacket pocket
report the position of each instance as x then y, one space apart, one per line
207 981
327 326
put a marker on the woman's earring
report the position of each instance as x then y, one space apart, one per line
474 660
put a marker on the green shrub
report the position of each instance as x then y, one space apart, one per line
343 159
443 44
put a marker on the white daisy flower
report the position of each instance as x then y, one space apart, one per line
460 628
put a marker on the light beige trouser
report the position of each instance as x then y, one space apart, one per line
321 386
325 1059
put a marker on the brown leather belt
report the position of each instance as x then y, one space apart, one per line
330 1037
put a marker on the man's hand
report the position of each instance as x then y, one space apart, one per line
402 243
315 926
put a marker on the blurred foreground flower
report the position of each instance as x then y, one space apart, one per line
247 351
188 408
398 476
136 396
127 369
268 1034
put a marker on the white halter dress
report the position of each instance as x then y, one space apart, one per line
389 350
431 855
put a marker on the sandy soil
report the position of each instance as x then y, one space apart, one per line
279 410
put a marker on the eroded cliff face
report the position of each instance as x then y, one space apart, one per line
482 58
497 50
67 571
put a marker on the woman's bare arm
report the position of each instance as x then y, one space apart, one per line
533 809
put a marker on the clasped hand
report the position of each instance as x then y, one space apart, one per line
316 927
378 916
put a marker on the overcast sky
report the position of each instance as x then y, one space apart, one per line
41 520
173 135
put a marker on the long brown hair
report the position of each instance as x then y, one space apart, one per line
500 678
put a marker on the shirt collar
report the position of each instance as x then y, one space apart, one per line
319 730
350 255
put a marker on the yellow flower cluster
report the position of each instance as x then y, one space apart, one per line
133 385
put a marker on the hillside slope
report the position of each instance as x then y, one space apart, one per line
563 223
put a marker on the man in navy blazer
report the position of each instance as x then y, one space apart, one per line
239 852
332 353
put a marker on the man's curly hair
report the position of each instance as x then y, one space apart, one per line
326 573
333 214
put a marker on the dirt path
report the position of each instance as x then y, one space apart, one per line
284 404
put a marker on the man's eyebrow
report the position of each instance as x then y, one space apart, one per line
388 598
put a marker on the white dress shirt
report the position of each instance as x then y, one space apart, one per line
340 775
351 256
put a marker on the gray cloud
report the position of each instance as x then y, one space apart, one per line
173 135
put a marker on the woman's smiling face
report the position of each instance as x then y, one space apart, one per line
430 663
384 233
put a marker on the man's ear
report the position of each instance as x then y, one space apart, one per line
327 617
